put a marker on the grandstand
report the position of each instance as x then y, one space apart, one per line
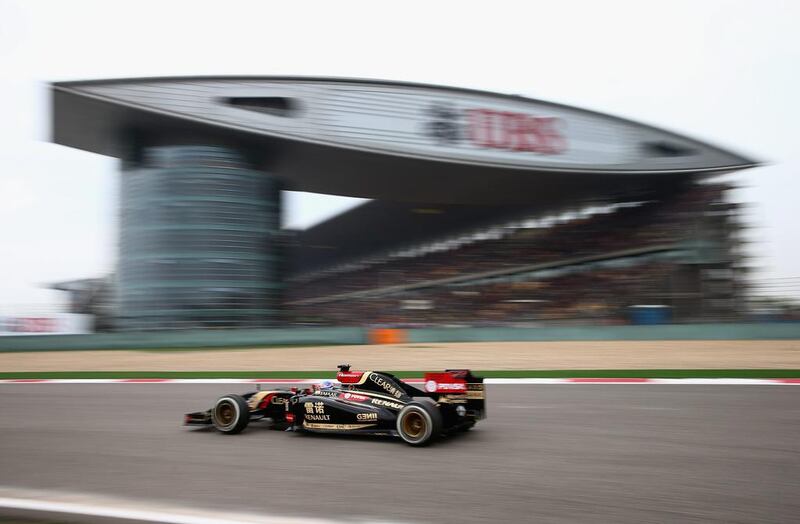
484 208
677 249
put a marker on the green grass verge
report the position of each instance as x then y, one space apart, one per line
225 348
530 373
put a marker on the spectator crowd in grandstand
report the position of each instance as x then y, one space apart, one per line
590 266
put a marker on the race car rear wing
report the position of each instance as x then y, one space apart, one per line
458 383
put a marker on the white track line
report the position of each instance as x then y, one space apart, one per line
508 381
46 504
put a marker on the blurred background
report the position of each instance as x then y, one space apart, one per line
88 246
591 204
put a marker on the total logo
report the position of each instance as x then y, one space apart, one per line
451 387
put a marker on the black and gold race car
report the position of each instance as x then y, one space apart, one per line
361 402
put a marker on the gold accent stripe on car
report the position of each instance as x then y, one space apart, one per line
317 425
364 376
256 399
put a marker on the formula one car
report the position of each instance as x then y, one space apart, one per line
361 402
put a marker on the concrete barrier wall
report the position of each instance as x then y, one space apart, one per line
186 339
771 331
325 336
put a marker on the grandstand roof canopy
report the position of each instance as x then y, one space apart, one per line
388 140
377 226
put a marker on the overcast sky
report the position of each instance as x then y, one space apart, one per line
726 72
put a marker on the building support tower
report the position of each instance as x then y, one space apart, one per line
199 240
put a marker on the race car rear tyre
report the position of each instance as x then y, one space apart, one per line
419 423
230 414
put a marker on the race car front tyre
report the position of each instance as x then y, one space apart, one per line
231 414
419 423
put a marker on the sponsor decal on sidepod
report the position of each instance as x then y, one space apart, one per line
387 386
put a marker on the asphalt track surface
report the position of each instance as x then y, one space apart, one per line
551 453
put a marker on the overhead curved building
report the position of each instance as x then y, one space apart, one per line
205 158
